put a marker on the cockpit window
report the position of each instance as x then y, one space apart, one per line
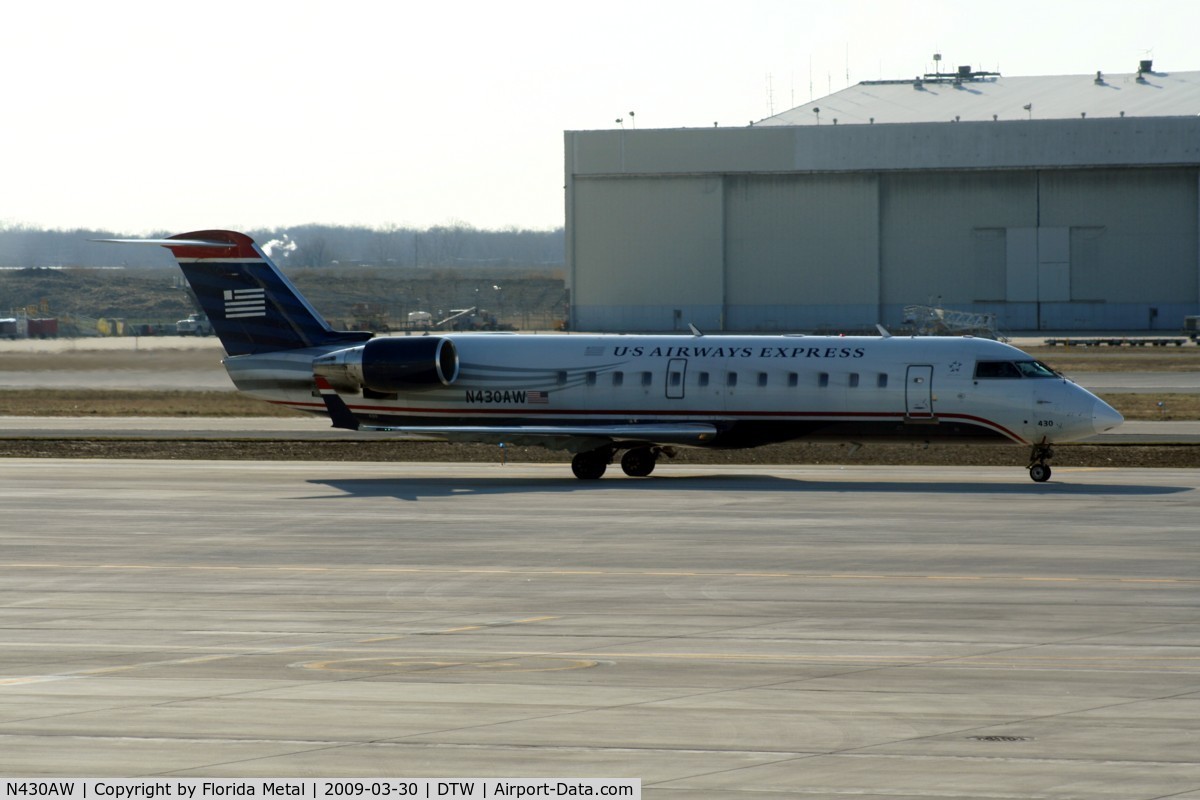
996 369
1013 369
1035 369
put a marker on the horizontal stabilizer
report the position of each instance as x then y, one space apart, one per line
167 242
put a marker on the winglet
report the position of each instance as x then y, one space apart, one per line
882 331
339 412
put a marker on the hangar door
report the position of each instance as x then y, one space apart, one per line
648 253
1038 265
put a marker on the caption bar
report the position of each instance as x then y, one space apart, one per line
315 789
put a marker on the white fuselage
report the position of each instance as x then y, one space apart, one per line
756 389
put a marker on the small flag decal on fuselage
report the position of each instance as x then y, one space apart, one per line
537 397
245 303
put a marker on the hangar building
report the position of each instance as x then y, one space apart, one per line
1057 203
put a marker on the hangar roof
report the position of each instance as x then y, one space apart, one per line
981 96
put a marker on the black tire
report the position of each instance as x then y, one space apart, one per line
589 466
1040 472
639 462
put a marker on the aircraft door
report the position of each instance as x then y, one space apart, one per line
676 372
918 392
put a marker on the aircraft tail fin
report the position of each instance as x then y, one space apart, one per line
251 304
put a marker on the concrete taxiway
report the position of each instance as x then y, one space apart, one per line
717 632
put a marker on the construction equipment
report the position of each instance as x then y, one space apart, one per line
469 319
937 321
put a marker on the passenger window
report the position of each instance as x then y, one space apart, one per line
762 379
647 379
731 379
823 379
853 379
591 379
618 378
793 380
562 377
882 382
702 379
996 369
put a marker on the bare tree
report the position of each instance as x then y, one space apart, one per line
312 252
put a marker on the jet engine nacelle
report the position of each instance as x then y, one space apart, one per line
391 364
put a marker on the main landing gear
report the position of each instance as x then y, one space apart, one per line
590 466
638 462
1039 470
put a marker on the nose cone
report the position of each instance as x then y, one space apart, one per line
1105 417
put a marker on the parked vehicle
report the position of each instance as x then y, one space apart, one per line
194 325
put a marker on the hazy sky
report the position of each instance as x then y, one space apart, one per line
138 116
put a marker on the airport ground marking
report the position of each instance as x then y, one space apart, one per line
588 659
391 664
511 660
93 672
1182 664
519 572
461 629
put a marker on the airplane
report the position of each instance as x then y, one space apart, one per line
641 396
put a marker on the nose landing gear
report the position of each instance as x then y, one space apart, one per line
1039 470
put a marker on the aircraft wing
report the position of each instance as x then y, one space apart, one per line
575 438
562 437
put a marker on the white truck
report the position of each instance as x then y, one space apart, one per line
195 325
